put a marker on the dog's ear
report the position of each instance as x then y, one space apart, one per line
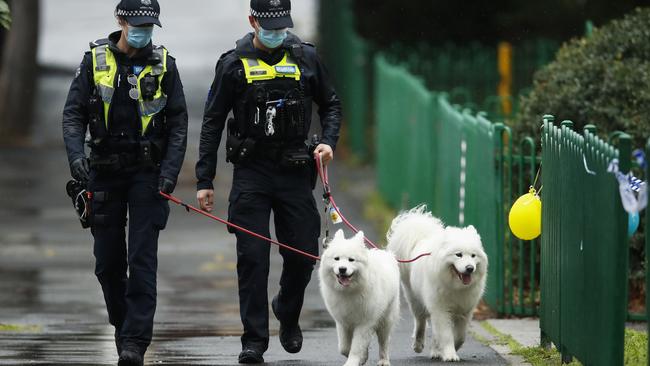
339 235
359 238
471 229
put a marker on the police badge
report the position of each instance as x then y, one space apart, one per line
275 3
146 2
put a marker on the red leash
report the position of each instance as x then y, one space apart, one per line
189 207
327 196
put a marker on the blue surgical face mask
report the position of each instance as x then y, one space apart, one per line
272 38
139 37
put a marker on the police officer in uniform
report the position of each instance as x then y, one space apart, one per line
128 94
269 81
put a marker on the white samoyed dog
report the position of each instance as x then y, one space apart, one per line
444 287
360 288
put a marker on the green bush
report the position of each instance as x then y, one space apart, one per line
603 79
5 14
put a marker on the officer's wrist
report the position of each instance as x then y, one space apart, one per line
201 185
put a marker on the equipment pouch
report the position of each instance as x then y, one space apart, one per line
149 86
233 144
295 158
145 154
239 150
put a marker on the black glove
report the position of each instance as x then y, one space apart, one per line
166 185
80 170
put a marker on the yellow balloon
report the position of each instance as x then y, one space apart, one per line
525 216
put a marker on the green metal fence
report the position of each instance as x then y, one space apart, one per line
584 246
469 72
473 66
460 164
349 59
647 249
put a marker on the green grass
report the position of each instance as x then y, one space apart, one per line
15 328
636 347
536 356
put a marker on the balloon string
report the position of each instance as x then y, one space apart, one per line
536 177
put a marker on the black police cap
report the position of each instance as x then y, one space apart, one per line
139 12
272 14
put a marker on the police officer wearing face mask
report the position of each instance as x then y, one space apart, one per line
269 81
128 94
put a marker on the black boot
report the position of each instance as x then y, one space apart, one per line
290 333
130 356
251 355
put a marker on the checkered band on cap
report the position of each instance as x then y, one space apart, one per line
270 14
137 13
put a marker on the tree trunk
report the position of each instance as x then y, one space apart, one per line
18 72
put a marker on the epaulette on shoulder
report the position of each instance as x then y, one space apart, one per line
226 54
99 42
309 44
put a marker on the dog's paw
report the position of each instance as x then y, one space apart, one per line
450 357
351 363
383 362
418 346
435 355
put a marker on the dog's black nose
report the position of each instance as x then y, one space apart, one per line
469 268
342 270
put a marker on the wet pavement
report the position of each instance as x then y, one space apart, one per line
48 291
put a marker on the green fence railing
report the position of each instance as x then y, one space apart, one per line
473 66
647 248
429 151
584 246
349 60
470 71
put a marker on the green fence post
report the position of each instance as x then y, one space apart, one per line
549 296
499 135
526 162
565 305
625 165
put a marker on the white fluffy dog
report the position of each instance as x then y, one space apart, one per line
360 287
444 287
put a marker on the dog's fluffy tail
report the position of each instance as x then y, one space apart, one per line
411 226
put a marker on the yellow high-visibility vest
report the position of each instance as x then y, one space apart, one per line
104 75
258 70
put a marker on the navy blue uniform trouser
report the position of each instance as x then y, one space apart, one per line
259 188
130 299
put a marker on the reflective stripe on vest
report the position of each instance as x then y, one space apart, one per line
258 70
104 74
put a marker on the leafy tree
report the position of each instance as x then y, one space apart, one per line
5 15
603 79
18 70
